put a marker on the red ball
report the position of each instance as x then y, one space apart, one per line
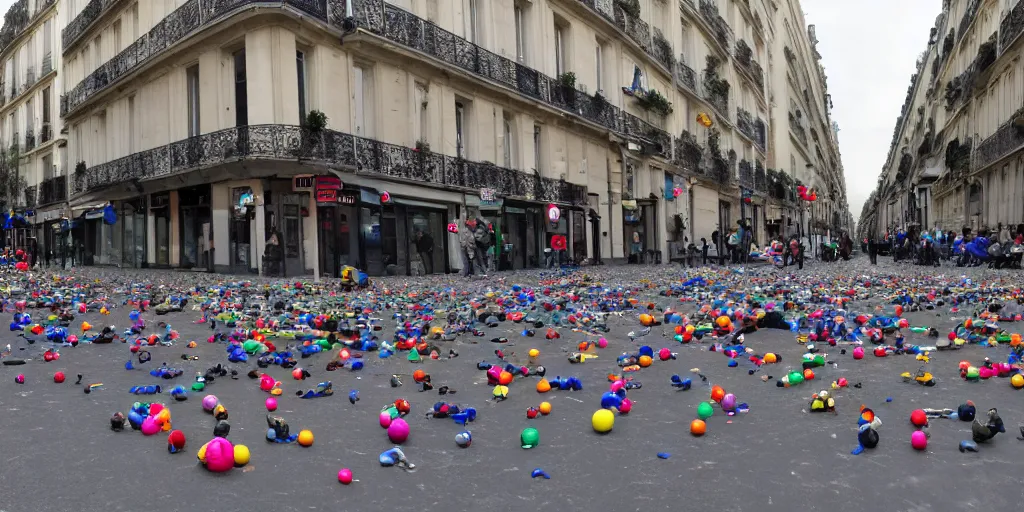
918 418
58 377
951 336
176 439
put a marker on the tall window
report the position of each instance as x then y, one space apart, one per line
599 65
472 21
684 47
560 42
192 82
362 99
241 94
46 107
131 125
135 21
509 139
300 70
117 36
460 129
47 43
537 152
30 116
520 34
13 124
422 100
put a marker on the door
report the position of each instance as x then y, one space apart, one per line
327 236
724 224
291 230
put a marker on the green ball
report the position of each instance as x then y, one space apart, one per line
198 386
796 378
529 438
704 410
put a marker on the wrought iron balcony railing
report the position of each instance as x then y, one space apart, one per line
746 174
1009 137
85 19
719 99
686 76
661 50
709 11
750 127
18 19
797 129
689 154
53 190
745 61
45 134
30 140
336 149
30 196
190 17
1011 26
47 63
637 29
760 177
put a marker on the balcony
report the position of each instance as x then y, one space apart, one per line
750 127
1007 139
53 190
30 77
175 27
45 134
30 140
797 129
635 28
686 75
748 66
760 178
1011 27
689 154
30 196
334 149
78 26
746 174
17 20
719 27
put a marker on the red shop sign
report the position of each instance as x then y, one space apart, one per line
328 183
326 196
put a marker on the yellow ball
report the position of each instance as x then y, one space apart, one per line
1017 381
306 438
202 454
241 455
534 352
545 408
603 421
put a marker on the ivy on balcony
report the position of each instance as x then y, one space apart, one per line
637 29
653 101
958 156
686 75
760 177
1011 26
709 11
746 174
689 153
745 59
716 89
1008 138
662 50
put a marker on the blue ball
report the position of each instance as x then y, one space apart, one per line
464 439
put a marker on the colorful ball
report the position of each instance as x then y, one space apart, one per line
398 431
729 402
717 393
698 427
150 426
704 410
58 377
602 343
306 438
529 438
175 441
645 361
20 379
534 352
919 440
219 455
210 402
505 378
664 354
464 439
808 374
625 406
545 408
1017 381
242 455
543 386
271 403
918 418
858 353
345 476
603 420
771 358
384 419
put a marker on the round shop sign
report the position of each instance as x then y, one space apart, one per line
554 214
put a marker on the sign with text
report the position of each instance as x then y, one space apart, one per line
326 196
328 183
303 183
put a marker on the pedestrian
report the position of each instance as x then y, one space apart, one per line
704 249
467 244
482 239
873 250
734 245
691 253
425 246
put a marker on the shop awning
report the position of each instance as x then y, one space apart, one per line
78 210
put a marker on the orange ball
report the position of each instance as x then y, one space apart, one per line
543 386
297 374
771 358
645 361
646 320
1015 339
505 378
808 374
723 321
679 329
690 328
419 375
717 393
698 427
545 408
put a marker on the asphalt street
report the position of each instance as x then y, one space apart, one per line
59 453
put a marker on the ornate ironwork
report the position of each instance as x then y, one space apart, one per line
190 17
661 50
760 177
17 20
686 76
745 61
797 129
53 190
1007 138
746 174
689 154
760 134
335 149
31 193
85 19
718 99
45 134
1011 26
709 11
30 140
969 14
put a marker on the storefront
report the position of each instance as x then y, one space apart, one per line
523 239
337 216
241 230
133 233
195 227
422 247
488 207
639 224
160 212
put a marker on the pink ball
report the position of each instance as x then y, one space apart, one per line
385 419
858 353
616 386
271 404
220 455
266 382
919 440
625 406
345 476
209 402
398 431
155 408
150 426
602 343
20 379
73 338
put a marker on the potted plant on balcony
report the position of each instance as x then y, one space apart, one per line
313 127
630 7
653 101
566 83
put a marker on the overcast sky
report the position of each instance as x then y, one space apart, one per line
868 48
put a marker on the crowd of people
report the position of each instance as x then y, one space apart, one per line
998 248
